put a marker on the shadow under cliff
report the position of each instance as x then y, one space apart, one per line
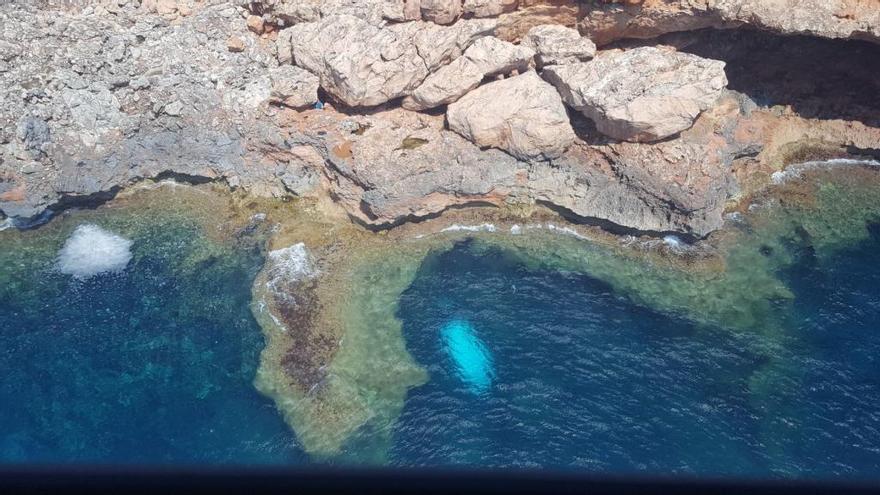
819 78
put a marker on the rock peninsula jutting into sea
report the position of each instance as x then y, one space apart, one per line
353 220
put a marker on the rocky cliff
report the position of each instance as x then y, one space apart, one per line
402 109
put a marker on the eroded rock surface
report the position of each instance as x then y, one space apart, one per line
486 57
644 94
554 44
522 115
365 65
605 22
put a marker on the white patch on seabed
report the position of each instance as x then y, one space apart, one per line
91 251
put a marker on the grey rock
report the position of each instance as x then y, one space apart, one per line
555 44
293 87
489 8
365 65
644 94
441 11
485 57
522 115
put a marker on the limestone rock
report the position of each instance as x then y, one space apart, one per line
644 94
402 10
605 22
293 87
486 57
489 8
555 44
522 115
441 11
366 65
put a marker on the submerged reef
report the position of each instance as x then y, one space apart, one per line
337 365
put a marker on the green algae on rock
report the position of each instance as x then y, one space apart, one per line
336 363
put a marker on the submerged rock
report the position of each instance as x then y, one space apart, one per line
643 94
522 115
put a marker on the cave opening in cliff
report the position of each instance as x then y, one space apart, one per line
817 77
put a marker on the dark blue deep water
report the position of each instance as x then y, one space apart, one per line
583 378
528 368
151 365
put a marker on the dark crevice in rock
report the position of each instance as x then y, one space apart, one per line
94 200
819 78
418 218
612 227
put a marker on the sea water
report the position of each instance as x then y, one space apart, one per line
147 353
585 378
126 337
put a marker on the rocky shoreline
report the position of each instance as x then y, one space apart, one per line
400 110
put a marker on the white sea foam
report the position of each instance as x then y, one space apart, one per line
566 231
6 223
91 251
486 227
289 265
794 171
779 177
673 241
515 229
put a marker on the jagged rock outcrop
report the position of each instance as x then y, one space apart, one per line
486 57
365 65
390 173
555 44
441 11
293 87
644 94
522 115
96 102
605 22
489 8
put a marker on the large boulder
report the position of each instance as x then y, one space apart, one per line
554 44
362 64
486 57
522 115
293 87
441 11
642 95
389 173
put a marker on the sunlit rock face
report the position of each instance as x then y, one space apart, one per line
91 251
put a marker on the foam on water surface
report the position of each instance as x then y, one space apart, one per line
473 362
91 251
